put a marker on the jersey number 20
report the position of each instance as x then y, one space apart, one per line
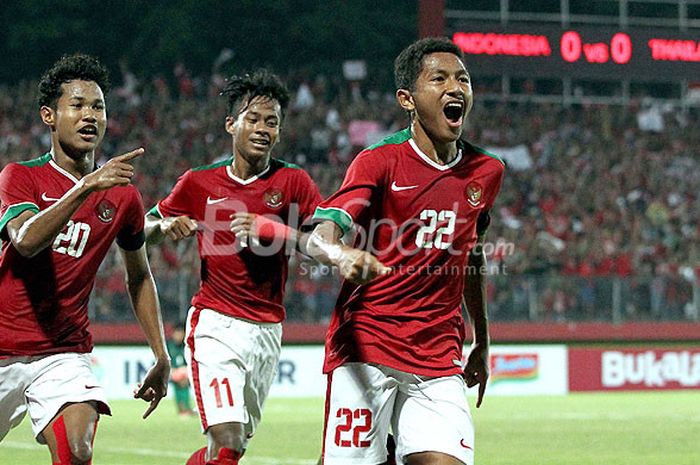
72 240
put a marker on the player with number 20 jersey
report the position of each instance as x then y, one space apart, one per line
45 298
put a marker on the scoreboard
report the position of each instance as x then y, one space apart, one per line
580 52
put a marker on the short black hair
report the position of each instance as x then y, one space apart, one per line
69 68
261 83
407 65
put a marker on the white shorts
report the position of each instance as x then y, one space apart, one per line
365 402
42 385
232 364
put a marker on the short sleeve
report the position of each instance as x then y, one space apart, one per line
495 187
308 197
17 194
484 220
177 203
364 178
131 235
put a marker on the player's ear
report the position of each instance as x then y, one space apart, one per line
48 116
230 125
405 99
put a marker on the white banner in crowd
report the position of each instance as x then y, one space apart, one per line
517 158
515 370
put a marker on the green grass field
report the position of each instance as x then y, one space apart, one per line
581 429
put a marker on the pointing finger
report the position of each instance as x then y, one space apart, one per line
482 389
152 407
130 155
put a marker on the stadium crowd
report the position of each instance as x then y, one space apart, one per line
597 200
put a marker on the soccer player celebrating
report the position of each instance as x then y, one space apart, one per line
394 344
60 213
234 325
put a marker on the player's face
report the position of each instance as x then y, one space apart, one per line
442 97
80 118
256 129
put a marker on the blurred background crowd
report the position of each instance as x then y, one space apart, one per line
594 196
598 219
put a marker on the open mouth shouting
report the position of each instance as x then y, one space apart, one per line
454 113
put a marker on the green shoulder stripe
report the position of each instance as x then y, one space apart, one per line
286 164
394 139
336 215
488 154
212 166
155 212
41 161
15 210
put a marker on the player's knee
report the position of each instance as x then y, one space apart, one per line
81 452
229 436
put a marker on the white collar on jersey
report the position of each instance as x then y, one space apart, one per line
62 171
431 162
229 171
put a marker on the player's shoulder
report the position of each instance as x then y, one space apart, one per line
28 165
389 148
205 170
389 144
284 168
202 174
491 159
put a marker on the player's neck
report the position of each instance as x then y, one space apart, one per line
246 169
77 165
442 153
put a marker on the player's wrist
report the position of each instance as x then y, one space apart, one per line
85 186
270 230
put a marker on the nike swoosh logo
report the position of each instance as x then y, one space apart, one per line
461 443
396 188
211 201
46 198
87 386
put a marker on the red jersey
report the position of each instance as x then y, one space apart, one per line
45 298
420 218
243 282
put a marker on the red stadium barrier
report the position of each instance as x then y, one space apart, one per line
305 333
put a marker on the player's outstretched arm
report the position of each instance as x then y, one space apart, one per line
144 298
175 227
31 232
357 266
474 297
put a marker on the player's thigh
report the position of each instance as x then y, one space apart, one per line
15 374
218 351
260 368
359 405
62 380
433 416
72 431
431 458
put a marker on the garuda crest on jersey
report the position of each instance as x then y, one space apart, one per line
105 211
474 194
273 198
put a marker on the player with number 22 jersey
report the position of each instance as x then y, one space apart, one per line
424 235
